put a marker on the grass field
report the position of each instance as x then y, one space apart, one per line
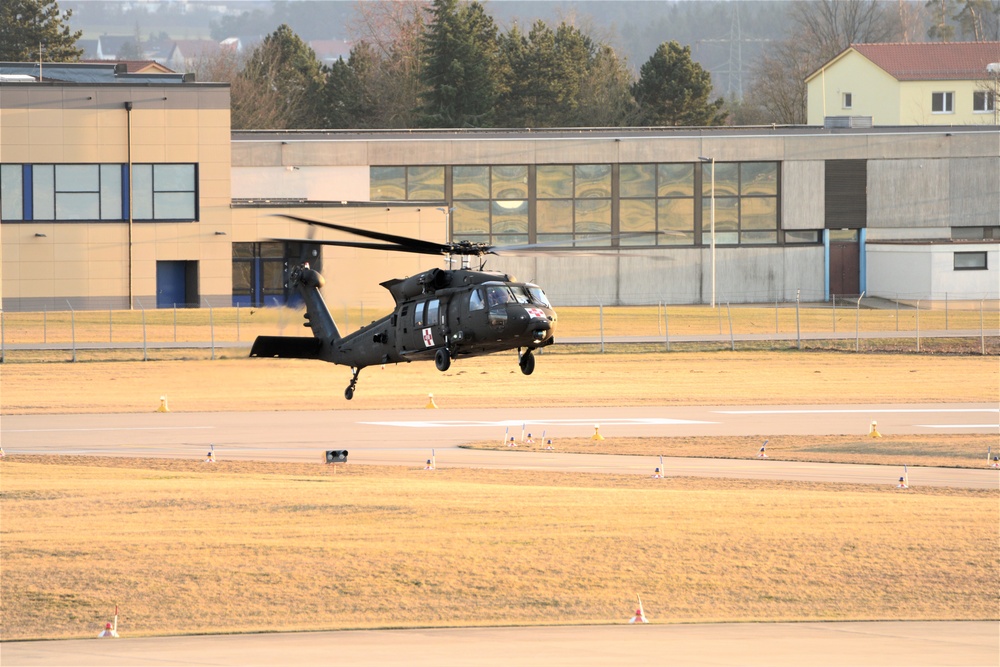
242 547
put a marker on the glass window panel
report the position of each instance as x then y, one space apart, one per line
11 192
758 178
425 183
676 214
471 217
637 215
725 238
593 216
757 238
970 260
432 312
173 205
759 213
43 195
142 191
387 183
726 214
593 181
77 178
637 180
273 277
277 249
510 182
510 217
637 240
554 181
675 180
474 238
802 237
111 192
241 277
552 238
78 206
510 239
173 177
727 176
470 182
554 217
242 250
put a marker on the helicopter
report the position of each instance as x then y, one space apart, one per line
439 314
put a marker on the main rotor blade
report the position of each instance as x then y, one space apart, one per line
362 244
415 245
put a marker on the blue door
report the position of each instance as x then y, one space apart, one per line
171 284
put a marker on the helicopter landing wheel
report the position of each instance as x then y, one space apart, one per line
442 359
527 363
349 392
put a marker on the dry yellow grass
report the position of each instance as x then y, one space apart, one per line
939 450
181 546
741 378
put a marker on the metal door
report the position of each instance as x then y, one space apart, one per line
171 284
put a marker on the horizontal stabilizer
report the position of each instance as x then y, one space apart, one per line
287 347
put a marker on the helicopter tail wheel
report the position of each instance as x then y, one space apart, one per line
349 392
527 363
442 359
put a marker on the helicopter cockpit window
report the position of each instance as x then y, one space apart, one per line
520 294
476 300
498 295
538 296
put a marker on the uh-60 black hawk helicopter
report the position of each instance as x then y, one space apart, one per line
440 314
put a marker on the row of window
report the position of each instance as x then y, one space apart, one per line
983 101
594 205
93 192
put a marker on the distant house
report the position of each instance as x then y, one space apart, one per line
186 53
136 66
933 83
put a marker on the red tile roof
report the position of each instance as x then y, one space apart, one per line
928 61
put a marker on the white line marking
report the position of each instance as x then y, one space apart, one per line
564 422
138 428
852 411
958 425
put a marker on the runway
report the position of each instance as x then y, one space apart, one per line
408 437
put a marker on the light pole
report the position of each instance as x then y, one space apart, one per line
711 160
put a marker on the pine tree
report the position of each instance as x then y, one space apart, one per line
460 66
26 25
674 90
284 81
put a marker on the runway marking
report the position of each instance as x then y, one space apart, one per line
851 411
958 425
652 421
134 428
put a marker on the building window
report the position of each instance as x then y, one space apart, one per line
746 203
983 101
11 192
424 183
164 192
656 204
848 101
942 102
574 204
490 204
970 261
77 192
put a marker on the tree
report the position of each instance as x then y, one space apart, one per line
941 30
459 67
606 92
283 80
674 90
27 24
979 20
348 97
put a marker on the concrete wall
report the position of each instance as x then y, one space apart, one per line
926 272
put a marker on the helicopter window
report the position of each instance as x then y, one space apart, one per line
498 295
538 296
418 315
520 294
432 312
476 300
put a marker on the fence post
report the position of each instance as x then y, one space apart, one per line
361 316
72 327
857 324
145 354
798 321
945 311
45 324
600 319
918 325
732 341
111 332
834 299
719 311
658 330
666 326
211 328
776 313
237 323
1 337
982 334
175 321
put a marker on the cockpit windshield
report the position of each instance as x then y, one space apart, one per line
538 296
498 295
520 294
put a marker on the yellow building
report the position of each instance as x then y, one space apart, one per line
939 83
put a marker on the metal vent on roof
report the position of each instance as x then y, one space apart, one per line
831 122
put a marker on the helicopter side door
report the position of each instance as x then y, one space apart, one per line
419 326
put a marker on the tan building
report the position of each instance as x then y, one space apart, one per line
933 83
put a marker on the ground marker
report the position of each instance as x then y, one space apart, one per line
163 405
430 402
873 430
763 454
597 433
